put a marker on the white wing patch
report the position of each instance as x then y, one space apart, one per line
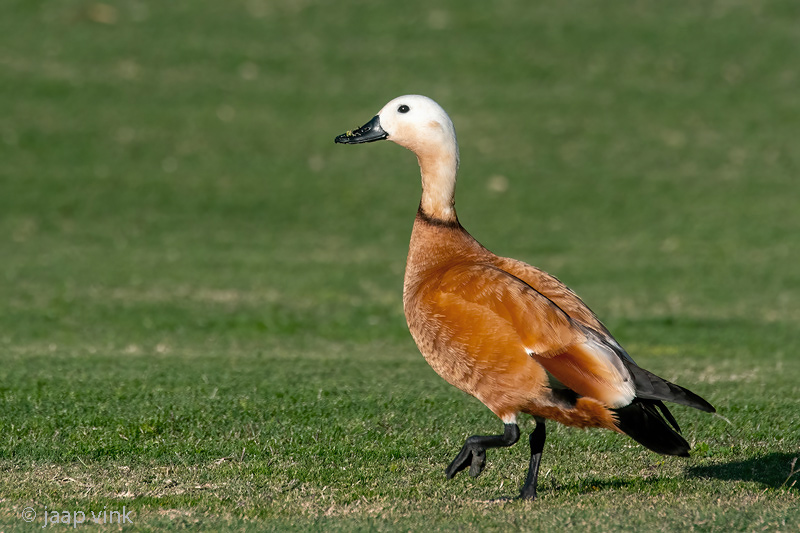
622 381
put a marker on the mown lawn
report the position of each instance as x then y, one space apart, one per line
200 294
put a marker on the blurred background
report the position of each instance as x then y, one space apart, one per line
171 198
162 152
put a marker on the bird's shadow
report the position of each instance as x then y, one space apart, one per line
773 470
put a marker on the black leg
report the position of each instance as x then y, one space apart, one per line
538 436
473 454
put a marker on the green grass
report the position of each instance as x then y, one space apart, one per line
201 313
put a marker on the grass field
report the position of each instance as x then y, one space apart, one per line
200 294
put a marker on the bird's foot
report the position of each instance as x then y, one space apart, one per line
528 493
473 453
472 456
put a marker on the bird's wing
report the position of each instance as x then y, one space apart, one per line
555 290
486 301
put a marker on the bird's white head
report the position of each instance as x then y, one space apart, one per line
421 125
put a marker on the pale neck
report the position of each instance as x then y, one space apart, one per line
439 184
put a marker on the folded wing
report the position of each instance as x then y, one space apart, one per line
570 352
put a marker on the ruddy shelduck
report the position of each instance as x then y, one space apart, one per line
505 332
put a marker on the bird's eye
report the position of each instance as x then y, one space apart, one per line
403 108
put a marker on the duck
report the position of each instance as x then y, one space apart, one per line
508 333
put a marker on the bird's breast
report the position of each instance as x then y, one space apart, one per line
472 350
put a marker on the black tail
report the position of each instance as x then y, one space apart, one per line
643 423
647 420
651 387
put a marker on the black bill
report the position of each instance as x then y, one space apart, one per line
369 132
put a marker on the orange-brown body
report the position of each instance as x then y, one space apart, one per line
464 307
